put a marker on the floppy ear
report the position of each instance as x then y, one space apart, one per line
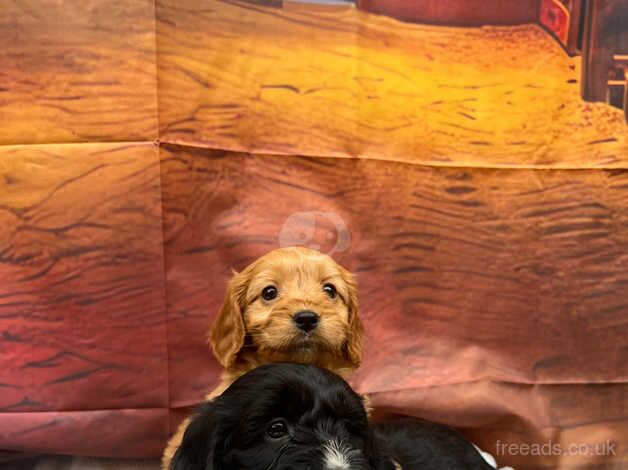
227 332
356 331
197 450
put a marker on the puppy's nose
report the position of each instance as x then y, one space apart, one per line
306 320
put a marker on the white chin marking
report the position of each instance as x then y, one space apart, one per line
336 456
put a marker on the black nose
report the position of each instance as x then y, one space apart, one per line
306 320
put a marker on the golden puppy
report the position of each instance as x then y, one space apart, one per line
291 305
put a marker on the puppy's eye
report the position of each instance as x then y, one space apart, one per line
269 292
330 290
277 429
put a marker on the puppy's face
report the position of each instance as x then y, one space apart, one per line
291 304
281 417
298 303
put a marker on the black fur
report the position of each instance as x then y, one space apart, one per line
422 445
316 406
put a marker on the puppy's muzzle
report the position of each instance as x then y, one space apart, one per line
306 320
337 456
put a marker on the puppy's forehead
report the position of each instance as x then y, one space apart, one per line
292 401
297 392
298 264
303 396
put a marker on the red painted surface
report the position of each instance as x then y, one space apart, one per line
457 12
555 16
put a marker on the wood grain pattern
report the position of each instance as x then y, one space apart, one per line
307 81
119 433
466 276
494 298
74 72
82 304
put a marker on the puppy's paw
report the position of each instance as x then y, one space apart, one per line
490 459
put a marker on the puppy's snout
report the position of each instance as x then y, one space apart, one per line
306 320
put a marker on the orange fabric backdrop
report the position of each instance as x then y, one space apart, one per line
145 151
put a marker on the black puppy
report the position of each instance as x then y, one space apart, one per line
301 417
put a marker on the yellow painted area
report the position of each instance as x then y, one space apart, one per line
341 82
